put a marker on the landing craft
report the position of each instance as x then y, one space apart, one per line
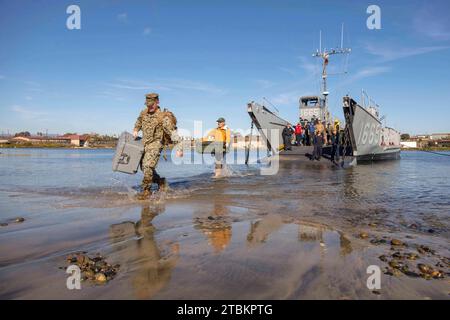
268 124
364 136
370 141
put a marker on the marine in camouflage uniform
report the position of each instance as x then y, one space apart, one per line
153 126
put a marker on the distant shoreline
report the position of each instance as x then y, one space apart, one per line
427 149
8 146
53 147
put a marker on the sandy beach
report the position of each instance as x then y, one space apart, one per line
309 232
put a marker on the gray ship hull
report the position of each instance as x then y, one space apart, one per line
370 141
269 125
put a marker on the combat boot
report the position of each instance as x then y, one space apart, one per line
163 185
217 173
144 195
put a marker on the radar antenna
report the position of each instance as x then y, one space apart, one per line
325 55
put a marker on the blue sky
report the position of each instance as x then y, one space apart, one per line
209 58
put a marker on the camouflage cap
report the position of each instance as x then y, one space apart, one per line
152 96
220 120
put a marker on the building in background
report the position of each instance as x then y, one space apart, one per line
241 142
65 140
409 144
435 140
78 140
40 140
440 136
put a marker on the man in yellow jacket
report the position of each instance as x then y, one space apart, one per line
222 138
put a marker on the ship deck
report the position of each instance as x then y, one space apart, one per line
306 152
298 151
301 154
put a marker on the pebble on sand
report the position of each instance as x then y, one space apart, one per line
363 235
436 274
424 268
424 249
89 274
94 268
398 255
100 277
396 242
412 256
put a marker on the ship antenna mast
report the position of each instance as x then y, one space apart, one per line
325 55
264 98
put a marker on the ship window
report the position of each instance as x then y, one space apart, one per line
311 103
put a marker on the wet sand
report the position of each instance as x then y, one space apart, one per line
296 235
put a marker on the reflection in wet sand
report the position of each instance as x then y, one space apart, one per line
307 232
149 266
261 229
289 236
346 245
216 224
216 227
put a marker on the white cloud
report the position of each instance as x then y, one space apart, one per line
167 85
32 83
288 70
432 22
147 31
370 72
265 84
287 98
109 95
137 85
435 30
194 85
391 53
122 17
363 73
129 87
33 86
27 113
307 65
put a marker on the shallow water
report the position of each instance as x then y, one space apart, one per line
293 235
